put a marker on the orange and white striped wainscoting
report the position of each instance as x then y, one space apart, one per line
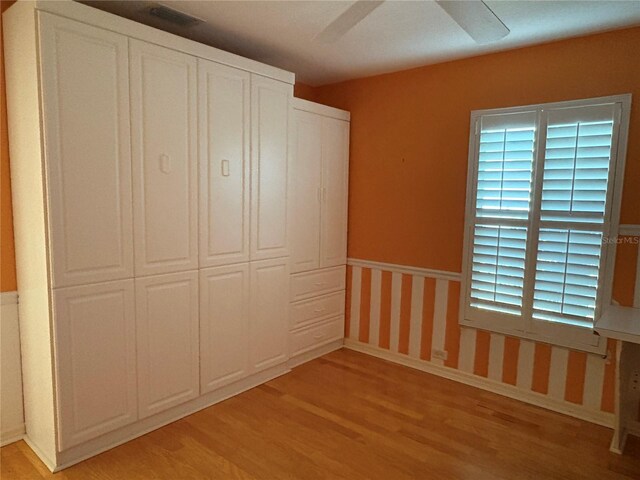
409 315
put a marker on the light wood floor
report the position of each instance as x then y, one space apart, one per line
351 416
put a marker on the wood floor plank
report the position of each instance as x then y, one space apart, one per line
352 416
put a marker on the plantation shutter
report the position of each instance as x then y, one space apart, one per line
573 213
539 216
502 204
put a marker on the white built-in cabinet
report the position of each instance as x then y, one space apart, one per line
95 339
320 170
164 137
225 148
85 107
335 188
306 189
151 182
167 332
268 319
270 104
319 202
224 330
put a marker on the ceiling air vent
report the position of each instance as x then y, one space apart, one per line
174 16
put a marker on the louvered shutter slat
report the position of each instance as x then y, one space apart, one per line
498 268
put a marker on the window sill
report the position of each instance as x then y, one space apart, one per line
620 323
567 336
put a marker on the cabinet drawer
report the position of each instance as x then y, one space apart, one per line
318 282
310 311
316 336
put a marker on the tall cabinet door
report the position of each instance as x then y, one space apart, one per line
95 354
269 322
306 175
269 167
167 338
224 325
224 119
86 126
164 146
335 185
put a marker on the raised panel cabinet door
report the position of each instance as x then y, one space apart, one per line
167 339
85 96
306 178
95 354
164 145
270 101
335 188
224 325
269 314
224 119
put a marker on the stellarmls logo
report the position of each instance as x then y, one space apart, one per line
621 240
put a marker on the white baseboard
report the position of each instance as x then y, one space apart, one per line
49 463
634 429
110 440
315 353
11 408
10 436
533 398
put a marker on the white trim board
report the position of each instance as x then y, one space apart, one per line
532 398
8 298
425 272
629 230
12 425
319 109
11 436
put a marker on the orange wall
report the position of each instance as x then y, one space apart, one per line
7 253
304 91
410 131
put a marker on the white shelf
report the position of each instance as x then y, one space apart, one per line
620 323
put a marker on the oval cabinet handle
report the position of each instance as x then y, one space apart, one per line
165 163
224 166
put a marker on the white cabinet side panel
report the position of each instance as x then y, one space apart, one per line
27 181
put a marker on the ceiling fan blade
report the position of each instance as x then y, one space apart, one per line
347 20
475 18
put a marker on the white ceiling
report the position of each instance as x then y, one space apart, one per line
396 36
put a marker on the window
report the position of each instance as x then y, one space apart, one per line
543 197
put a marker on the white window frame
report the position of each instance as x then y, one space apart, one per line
575 337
